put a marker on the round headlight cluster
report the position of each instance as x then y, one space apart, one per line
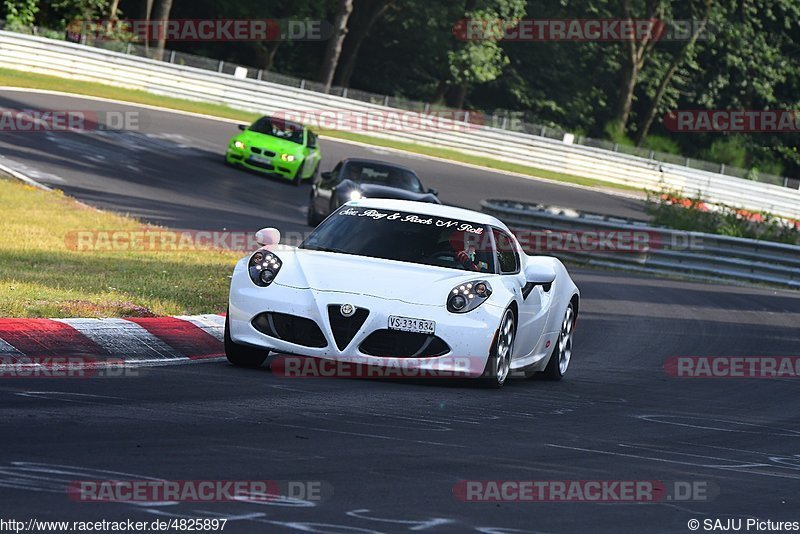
263 267
468 296
287 157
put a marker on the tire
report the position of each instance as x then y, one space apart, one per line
562 353
297 177
498 366
242 355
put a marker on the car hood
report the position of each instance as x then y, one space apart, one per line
385 191
275 144
345 273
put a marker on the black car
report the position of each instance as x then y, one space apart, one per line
353 179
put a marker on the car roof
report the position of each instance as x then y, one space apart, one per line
377 162
424 208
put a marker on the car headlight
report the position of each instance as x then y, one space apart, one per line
355 194
239 145
287 157
468 296
263 267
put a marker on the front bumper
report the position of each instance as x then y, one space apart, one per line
469 336
269 165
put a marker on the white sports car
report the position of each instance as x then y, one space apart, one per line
382 280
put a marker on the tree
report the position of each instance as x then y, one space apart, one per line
478 61
365 14
634 57
334 48
161 16
20 13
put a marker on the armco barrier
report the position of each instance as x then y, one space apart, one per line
69 60
692 254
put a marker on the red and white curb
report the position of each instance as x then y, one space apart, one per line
136 341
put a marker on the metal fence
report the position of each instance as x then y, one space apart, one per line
669 252
523 122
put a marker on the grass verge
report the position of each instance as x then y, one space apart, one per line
41 276
14 78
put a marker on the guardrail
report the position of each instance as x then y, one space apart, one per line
665 251
69 60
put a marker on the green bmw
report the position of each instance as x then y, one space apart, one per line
278 147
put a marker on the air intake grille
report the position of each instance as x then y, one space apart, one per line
291 328
399 344
345 328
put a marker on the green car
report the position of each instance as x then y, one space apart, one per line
278 147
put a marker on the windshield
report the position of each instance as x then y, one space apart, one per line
374 173
290 131
403 236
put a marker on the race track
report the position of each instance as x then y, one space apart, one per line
392 451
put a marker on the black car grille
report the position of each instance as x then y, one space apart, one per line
266 153
399 344
290 328
345 328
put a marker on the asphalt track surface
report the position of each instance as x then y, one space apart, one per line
392 451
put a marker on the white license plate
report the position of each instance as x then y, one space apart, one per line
261 159
408 324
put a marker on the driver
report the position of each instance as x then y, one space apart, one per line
470 258
353 173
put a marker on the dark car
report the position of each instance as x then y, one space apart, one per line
353 179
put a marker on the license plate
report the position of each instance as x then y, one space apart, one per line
260 159
408 324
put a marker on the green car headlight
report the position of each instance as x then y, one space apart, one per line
239 145
287 157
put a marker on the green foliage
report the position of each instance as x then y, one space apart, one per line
661 143
730 150
20 13
666 208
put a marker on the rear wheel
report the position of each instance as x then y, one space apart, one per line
498 366
562 352
242 355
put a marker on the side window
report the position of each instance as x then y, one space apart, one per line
507 255
312 139
335 173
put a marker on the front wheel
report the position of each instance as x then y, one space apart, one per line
562 352
242 355
498 365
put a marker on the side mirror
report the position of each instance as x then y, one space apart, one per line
327 175
243 127
433 191
538 274
268 236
